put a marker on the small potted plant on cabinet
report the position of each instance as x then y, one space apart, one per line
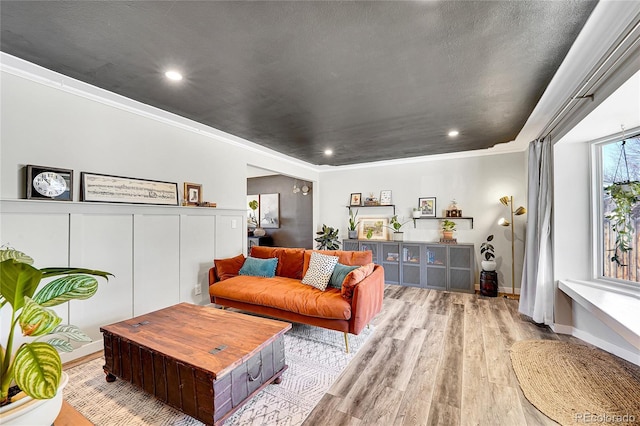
448 227
487 251
416 213
353 224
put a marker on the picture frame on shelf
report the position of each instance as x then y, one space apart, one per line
356 199
385 197
49 183
427 206
192 194
96 187
376 226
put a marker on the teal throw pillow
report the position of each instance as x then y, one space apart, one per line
339 273
259 267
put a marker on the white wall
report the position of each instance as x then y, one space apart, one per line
477 183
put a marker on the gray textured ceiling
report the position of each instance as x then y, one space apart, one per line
372 80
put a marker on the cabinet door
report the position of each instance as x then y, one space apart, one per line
436 267
390 257
350 245
411 256
373 248
461 268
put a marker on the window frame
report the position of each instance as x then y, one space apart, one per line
597 216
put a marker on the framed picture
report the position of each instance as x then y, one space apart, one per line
427 206
192 193
49 183
270 210
356 199
117 189
373 228
385 197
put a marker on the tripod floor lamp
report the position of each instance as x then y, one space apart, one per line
508 202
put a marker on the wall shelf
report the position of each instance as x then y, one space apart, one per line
393 206
442 218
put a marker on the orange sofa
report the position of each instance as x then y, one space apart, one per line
348 309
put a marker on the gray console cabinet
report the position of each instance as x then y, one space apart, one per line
422 264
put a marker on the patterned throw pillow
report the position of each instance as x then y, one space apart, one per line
339 273
320 269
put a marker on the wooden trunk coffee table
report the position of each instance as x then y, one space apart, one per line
205 362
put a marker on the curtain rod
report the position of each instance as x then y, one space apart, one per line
569 103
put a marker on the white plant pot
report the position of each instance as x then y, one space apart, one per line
398 236
417 214
489 265
28 411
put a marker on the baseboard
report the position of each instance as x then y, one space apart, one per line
505 290
596 341
88 349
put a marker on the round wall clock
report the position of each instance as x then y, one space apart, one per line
47 183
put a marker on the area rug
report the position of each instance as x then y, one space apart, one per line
315 357
574 384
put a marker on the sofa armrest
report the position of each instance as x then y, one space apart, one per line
367 300
212 276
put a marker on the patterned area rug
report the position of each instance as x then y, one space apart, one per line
574 384
315 357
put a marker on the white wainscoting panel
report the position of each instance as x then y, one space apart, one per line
197 251
157 262
103 242
231 235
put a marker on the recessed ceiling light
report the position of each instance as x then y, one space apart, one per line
453 133
173 75
328 152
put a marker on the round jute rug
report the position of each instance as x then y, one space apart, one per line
576 385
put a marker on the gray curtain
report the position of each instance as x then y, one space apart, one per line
537 290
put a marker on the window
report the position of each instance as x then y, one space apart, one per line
619 213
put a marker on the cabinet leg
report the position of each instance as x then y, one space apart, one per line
110 378
277 380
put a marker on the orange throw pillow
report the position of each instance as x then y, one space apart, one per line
353 278
228 268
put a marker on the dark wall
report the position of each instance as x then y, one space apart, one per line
296 210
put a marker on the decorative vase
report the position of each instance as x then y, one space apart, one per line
398 236
353 235
259 232
447 235
489 265
28 411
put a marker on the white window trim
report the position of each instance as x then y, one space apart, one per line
596 232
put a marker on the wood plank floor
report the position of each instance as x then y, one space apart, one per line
436 358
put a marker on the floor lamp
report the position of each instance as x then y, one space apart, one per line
508 202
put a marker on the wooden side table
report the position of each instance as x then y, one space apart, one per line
489 283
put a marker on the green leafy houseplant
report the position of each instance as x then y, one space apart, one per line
487 250
448 225
252 220
395 225
36 366
327 238
353 223
624 195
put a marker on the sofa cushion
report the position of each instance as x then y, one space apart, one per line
227 268
319 271
259 267
345 257
353 278
290 260
339 274
284 293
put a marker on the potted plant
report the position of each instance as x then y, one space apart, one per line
416 213
625 195
353 224
395 225
35 366
327 238
487 251
448 227
253 221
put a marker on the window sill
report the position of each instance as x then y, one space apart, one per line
617 310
